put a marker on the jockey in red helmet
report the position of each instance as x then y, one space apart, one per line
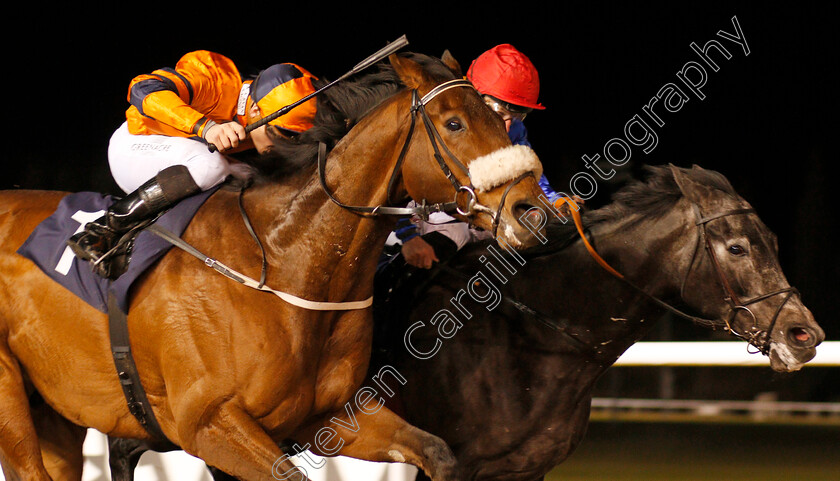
510 85
508 81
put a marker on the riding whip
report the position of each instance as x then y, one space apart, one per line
376 57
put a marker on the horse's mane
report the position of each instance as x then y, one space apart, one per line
648 197
339 109
655 194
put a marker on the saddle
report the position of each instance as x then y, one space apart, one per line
134 254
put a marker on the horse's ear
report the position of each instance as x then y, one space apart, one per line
696 183
688 187
450 62
410 72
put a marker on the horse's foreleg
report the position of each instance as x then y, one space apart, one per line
234 443
377 434
20 450
123 456
61 442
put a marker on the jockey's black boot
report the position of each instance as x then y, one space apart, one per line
156 195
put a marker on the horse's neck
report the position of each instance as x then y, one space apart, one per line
606 312
650 252
327 244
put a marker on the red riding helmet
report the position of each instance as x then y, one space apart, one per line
507 74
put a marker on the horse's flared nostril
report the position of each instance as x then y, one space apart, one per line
526 212
802 337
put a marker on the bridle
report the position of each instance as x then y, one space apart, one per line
759 338
470 207
756 337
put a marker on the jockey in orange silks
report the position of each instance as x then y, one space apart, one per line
160 154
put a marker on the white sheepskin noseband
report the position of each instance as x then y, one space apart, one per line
503 165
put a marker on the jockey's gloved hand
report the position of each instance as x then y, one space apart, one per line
225 136
419 253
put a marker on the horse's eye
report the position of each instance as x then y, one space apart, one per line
737 250
454 125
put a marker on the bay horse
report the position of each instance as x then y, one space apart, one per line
231 372
510 392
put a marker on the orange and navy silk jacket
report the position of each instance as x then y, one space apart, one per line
179 102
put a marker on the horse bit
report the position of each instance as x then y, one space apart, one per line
423 210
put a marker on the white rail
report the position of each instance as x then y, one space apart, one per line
713 353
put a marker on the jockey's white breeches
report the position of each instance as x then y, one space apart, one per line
134 159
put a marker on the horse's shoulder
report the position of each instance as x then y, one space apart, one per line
220 203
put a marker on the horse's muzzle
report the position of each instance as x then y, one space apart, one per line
796 347
523 225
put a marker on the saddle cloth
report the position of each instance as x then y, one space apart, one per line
47 248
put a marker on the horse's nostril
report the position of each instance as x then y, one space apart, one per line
524 209
801 336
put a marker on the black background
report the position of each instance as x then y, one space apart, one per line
768 121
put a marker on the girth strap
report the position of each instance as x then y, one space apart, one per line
135 396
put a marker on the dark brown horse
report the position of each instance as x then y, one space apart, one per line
230 371
501 365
